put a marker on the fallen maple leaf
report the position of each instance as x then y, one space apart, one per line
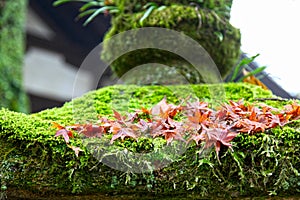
198 138
62 131
165 110
122 133
91 130
217 137
292 111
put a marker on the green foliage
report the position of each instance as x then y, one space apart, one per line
244 64
11 50
60 2
92 8
150 7
221 7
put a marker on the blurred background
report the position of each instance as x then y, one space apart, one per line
271 28
57 43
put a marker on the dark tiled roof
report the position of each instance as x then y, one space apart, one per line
72 39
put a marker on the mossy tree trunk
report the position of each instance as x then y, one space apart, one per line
12 18
207 22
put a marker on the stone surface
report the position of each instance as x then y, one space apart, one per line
33 160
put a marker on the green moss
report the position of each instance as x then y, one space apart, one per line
216 36
221 7
11 51
32 159
129 97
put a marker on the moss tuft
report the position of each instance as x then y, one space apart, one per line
221 7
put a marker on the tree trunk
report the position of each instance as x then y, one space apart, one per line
12 20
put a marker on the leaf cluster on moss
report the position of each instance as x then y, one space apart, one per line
186 122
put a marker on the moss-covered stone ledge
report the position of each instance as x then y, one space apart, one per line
33 161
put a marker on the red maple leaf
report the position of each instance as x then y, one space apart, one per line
219 136
62 131
165 110
292 111
122 133
91 130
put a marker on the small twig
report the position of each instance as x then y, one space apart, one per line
271 99
198 14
